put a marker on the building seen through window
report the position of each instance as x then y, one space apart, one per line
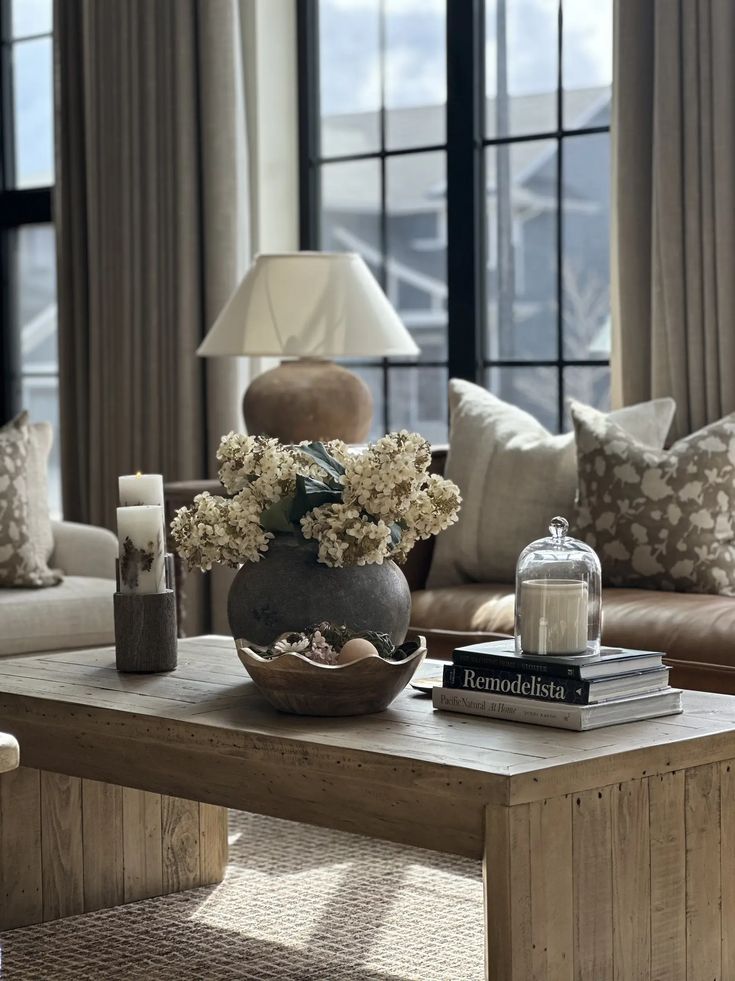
382 165
27 243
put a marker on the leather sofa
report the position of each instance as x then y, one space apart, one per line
695 631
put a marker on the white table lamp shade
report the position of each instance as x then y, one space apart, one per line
312 305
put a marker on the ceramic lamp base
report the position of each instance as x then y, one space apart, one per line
309 400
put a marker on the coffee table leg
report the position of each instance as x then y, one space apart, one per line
632 880
70 846
507 882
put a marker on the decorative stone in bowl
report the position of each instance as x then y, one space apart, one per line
295 684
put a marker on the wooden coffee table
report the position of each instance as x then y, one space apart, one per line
608 855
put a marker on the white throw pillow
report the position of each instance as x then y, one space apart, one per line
515 476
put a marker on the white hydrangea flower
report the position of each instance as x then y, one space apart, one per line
258 462
346 536
385 487
220 530
200 532
384 478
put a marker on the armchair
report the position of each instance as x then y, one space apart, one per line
77 612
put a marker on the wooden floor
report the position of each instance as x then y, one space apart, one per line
608 854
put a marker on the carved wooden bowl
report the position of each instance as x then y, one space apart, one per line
293 683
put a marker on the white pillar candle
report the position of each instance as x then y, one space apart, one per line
141 488
142 549
553 616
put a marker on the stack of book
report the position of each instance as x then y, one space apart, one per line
621 685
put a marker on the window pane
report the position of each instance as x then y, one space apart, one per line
415 72
589 385
373 378
418 401
29 17
349 81
35 292
521 73
533 389
521 251
586 236
41 399
587 62
416 272
350 218
33 109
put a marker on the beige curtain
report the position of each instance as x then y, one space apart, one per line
152 233
674 206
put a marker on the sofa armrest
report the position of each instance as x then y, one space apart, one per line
83 550
418 563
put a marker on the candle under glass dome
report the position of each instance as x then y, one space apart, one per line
558 596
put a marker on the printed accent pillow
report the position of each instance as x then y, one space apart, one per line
515 476
658 519
39 518
20 561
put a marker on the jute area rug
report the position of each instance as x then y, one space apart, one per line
297 904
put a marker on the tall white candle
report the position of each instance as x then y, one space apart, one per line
141 488
142 549
553 616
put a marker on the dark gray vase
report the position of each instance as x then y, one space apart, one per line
289 590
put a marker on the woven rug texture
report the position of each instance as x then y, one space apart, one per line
297 904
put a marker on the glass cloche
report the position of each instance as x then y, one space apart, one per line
558 596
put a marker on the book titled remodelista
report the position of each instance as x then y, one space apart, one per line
548 688
559 716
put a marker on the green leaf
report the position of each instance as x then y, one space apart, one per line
324 459
277 517
310 494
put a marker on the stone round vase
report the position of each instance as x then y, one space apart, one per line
290 590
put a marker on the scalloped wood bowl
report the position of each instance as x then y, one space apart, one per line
292 683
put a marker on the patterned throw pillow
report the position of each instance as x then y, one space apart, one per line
20 562
658 519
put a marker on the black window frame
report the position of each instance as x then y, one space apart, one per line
466 145
18 207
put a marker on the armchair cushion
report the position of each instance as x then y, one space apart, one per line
84 550
76 613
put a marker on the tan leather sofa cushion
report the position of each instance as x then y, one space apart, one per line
687 627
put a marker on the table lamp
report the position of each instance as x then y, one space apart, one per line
310 306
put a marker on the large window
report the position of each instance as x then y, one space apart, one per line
463 149
29 365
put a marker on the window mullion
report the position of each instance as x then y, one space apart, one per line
307 42
465 188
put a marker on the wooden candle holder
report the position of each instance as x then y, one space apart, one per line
145 630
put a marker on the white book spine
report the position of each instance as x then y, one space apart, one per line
533 712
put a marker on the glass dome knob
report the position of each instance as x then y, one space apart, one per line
558 527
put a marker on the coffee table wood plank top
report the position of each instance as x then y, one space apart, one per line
608 854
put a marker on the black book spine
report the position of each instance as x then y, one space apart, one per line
474 659
521 684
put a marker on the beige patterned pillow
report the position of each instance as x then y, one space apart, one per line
658 519
20 561
39 517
